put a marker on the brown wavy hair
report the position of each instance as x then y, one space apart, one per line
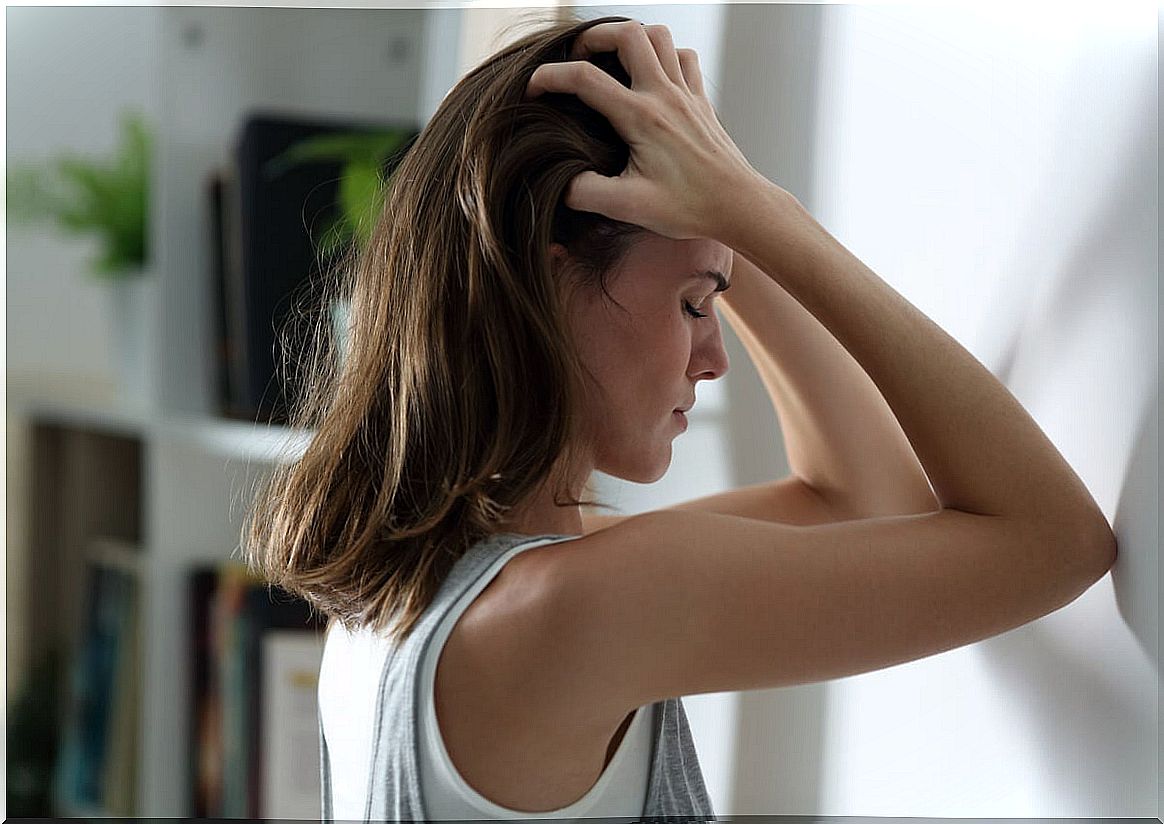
458 390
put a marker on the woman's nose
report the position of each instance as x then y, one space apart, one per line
709 359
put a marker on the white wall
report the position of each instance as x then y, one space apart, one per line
999 169
70 72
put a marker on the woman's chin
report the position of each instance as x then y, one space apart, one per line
640 466
640 473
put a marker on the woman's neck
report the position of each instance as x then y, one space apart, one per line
537 514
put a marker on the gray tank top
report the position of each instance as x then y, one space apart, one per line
675 784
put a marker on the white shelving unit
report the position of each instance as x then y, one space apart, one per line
187 473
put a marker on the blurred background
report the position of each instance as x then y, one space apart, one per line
177 176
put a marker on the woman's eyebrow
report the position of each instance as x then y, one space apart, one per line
721 283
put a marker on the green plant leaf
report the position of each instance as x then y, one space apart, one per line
86 197
344 147
361 187
334 237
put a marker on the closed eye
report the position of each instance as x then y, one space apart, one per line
691 310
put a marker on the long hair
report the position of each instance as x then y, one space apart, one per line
459 387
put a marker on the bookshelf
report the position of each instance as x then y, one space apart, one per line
165 478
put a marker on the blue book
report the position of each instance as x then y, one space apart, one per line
111 590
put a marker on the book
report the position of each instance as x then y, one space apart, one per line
205 724
268 264
96 767
290 724
267 609
120 787
235 681
226 355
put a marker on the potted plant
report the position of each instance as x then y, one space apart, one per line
83 197
108 199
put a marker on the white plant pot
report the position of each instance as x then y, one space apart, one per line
131 310
341 318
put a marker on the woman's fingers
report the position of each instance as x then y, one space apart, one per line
680 155
646 52
660 37
592 86
689 61
629 40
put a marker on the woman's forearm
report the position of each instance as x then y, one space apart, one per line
839 433
980 449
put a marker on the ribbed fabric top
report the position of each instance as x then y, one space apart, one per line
376 710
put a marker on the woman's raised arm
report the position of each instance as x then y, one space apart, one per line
840 436
680 602
981 450
686 178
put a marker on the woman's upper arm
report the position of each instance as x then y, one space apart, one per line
679 603
789 501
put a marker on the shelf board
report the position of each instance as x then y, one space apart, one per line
95 404
239 439
78 401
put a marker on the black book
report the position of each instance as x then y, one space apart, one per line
273 265
224 358
203 723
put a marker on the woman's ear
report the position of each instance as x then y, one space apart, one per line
559 259
563 274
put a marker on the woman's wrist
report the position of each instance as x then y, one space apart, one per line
754 208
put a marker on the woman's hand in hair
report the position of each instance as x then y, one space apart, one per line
684 170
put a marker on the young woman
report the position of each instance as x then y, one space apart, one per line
537 303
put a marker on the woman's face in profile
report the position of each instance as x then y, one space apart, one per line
649 354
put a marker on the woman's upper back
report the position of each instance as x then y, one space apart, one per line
384 756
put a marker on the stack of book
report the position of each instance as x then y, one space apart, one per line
255 658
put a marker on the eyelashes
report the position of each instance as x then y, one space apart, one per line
692 311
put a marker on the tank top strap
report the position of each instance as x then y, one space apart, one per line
394 782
